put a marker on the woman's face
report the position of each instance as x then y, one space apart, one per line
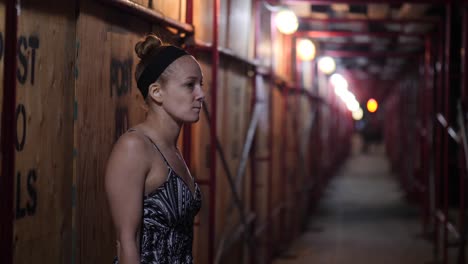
182 92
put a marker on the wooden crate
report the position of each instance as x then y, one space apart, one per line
278 190
62 214
170 8
263 172
233 111
107 104
203 20
239 28
235 118
200 168
44 149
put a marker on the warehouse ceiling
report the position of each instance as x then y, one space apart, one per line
372 44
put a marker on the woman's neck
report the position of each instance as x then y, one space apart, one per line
163 128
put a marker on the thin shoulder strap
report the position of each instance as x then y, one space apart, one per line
154 144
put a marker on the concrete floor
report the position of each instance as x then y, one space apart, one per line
363 219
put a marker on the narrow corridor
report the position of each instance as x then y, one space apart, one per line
362 218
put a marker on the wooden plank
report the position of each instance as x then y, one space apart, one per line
378 11
201 167
233 114
240 29
204 23
170 8
108 103
234 91
43 200
278 156
263 176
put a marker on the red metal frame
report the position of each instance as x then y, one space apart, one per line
447 68
350 54
366 1
213 131
463 169
253 179
437 152
187 131
284 171
8 134
425 114
366 20
464 72
330 34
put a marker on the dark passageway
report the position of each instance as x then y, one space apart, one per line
363 218
281 90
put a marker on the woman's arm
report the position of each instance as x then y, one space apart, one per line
125 184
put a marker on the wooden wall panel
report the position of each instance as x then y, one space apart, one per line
200 167
108 103
240 28
233 110
278 190
262 170
234 119
291 167
203 20
43 196
170 8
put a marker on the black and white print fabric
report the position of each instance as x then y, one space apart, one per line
167 224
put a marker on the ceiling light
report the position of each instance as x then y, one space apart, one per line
286 21
327 65
306 49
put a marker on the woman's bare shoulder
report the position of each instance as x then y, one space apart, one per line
130 152
131 141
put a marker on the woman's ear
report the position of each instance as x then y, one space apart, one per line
155 92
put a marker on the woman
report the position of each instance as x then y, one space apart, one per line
152 196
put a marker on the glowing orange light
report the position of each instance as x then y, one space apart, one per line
372 105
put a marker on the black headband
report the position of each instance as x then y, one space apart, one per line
156 67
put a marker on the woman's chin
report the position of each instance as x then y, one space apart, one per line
192 120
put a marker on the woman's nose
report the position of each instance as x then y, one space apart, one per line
200 95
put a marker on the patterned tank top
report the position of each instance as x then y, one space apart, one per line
167 222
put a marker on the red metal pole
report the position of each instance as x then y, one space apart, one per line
270 174
296 177
463 171
366 20
348 54
189 12
284 171
447 68
464 72
253 182
425 114
365 1
8 134
272 219
437 148
213 131
329 34
187 132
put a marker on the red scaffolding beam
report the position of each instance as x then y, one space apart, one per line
8 134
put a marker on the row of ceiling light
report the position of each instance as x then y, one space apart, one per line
287 23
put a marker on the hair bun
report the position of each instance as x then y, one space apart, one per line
146 47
